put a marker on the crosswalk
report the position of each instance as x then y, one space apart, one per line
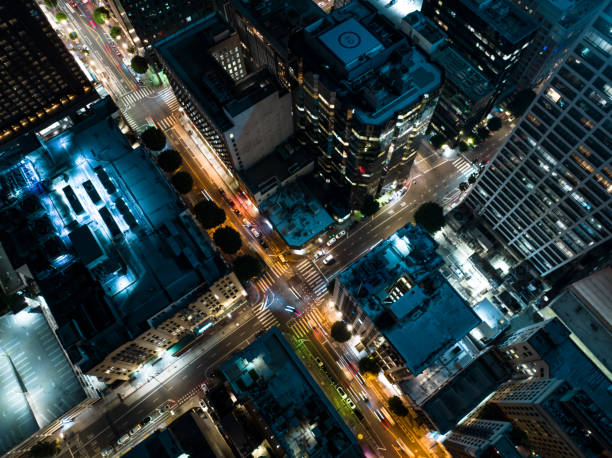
167 122
303 325
134 125
315 280
131 98
463 166
170 99
265 317
274 271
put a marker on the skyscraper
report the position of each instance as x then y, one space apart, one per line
363 95
39 79
491 34
148 21
560 25
548 191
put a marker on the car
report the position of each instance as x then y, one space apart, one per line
135 429
342 233
358 414
341 392
329 260
255 232
139 82
145 421
72 3
319 362
237 212
203 405
92 24
107 451
115 50
318 254
123 439
246 223
263 244
331 241
351 404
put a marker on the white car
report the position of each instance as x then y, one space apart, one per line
341 392
331 241
342 233
123 439
351 404
318 254
329 260
255 232
135 429
107 451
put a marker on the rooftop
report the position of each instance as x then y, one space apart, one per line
32 361
186 54
295 213
371 66
505 17
462 74
398 283
425 27
284 393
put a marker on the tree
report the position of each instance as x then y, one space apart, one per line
369 206
101 15
45 449
472 178
59 17
139 64
339 332
521 102
369 364
482 133
209 214
437 141
494 124
397 406
169 160
227 239
182 182
51 3
114 32
73 35
153 138
430 216
463 146
463 186
131 49
247 267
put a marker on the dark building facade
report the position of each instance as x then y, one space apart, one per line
39 79
148 21
363 95
490 34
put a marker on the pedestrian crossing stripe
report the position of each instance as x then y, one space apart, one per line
133 97
266 318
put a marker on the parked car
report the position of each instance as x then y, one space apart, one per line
145 421
318 254
319 362
331 241
107 451
135 429
255 232
123 439
351 404
341 392
329 260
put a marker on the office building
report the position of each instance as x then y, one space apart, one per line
363 96
584 309
40 82
560 422
466 93
398 305
490 34
242 120
272 383
266 27
548 190
148 21
545 350
561 23
481 438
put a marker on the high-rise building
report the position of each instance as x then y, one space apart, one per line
491 34
584 308
481 438
40 81
148 21
545 350
363 96
560 26
559 421
266 26
243 118
547 192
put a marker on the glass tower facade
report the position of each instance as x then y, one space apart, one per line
548 190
